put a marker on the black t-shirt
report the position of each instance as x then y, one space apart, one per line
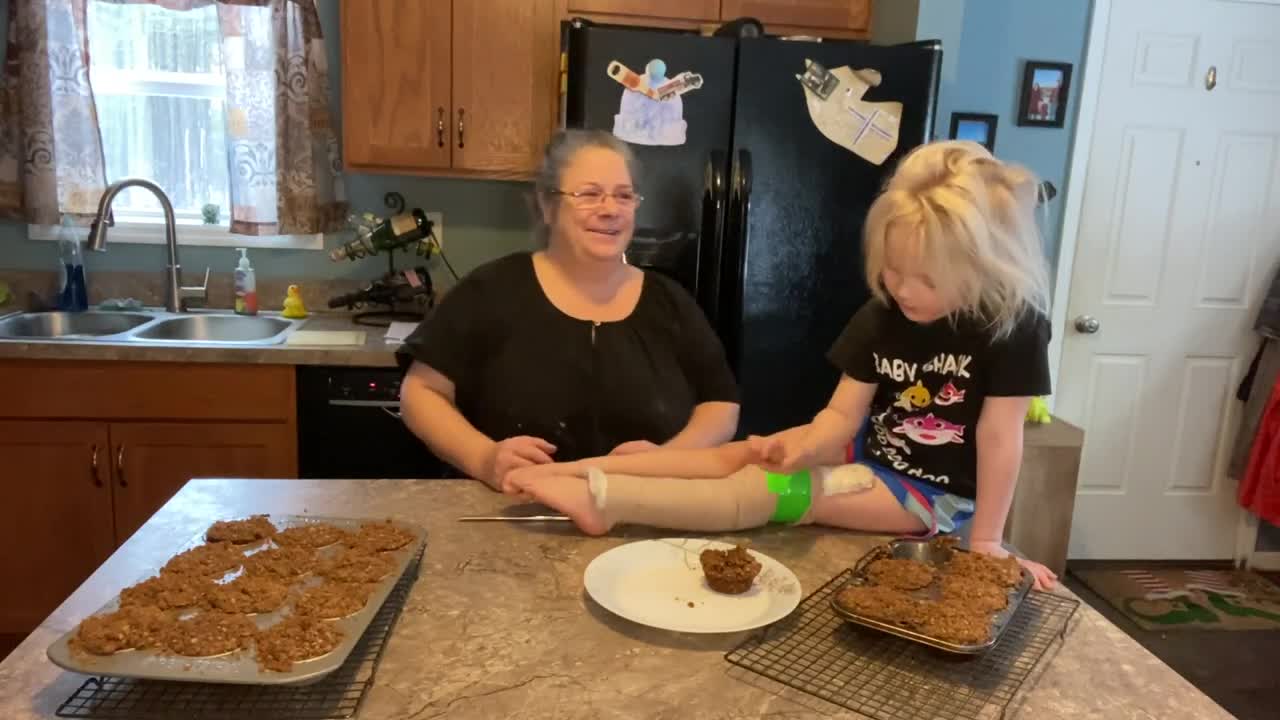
931 382
520 366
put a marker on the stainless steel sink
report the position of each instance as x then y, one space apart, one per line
148 326
219 329
70 324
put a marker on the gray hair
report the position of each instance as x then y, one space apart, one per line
564 145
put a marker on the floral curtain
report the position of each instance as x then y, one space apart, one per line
51 161
282 148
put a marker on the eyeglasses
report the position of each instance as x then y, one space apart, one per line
592 197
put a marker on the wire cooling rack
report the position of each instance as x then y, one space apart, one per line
888 678
335 697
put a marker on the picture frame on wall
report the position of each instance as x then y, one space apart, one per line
978 127
1045 89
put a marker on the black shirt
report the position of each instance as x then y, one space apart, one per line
520 366
931 382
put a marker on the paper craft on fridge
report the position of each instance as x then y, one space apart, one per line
836 107
651 111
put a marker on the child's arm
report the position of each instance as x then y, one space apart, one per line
999 448
825 438
714 462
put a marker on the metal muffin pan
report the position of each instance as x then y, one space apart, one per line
931 554
241 666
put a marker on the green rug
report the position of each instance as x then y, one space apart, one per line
1170 598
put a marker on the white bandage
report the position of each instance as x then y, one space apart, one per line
598 485
843 479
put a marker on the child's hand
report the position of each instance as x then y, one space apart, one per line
1045 579
783 452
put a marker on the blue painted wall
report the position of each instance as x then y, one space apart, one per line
985 43
482 219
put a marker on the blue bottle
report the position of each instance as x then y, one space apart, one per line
73 295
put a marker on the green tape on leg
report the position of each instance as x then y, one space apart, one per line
793 495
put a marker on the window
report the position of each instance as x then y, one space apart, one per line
159 85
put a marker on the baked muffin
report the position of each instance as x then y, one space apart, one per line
1004 572
295 639
128 628
900 573
208 634
311 535
240 532
729 571
882 603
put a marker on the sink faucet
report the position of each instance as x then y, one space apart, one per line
175 295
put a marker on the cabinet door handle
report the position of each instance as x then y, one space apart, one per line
461 127
440 127
93 466
120 467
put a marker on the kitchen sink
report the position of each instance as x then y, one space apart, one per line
70 324
221 329
201 328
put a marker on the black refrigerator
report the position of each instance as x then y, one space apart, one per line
747 203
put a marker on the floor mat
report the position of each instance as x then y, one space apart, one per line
1170 598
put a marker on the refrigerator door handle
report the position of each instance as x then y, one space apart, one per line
710 255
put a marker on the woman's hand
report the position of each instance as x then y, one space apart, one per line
517 452
633 447
782 452
1045 579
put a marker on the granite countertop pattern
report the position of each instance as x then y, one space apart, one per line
498 624
374 352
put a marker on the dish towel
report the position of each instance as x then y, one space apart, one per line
1260 487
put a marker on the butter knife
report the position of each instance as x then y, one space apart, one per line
514 518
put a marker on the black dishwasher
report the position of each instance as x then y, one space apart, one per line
349 426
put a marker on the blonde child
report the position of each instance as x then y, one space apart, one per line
938 370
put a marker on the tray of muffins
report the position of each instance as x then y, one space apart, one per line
264 600
934 592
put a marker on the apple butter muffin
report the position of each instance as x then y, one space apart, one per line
333 600
208 560
358 565
955 622
978 595
285 564
1003 572
249 594
208 634
729 571
168 592
241 532
128 628
311 535
882 603
900 573
380 537
295 639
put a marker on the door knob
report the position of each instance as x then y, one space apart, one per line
1088 324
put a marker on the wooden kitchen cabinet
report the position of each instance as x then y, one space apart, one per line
824 14
676 9
57 523
464 88
152 461
90 449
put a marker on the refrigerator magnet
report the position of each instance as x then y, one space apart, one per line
651 110
834 98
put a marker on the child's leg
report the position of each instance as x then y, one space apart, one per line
848 497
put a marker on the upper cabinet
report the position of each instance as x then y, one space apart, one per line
817 14
674 9
448 87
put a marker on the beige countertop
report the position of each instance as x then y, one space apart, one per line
374 352
498 624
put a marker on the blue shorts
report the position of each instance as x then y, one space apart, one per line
940 511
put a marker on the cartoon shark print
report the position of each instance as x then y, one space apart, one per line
916 396
886 437
930 430
948 395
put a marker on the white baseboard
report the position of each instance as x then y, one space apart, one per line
1265 561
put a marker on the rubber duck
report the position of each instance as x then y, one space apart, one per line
293 307
1038 411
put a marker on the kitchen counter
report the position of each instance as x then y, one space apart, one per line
374 352
498 624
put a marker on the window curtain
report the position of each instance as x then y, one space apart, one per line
282 149
51 161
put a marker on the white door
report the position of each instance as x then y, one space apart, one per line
1179 233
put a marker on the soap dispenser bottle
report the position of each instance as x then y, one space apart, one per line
246 286
73 294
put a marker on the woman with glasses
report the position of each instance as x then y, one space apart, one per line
568 352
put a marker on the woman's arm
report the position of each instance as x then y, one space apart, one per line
999 448
711 424
428 406
713 462
824 439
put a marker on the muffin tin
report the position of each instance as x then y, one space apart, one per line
241 667
930 554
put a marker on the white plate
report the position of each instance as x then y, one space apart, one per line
653 582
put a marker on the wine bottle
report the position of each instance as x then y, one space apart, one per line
396 232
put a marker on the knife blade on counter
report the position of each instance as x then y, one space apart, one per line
514 518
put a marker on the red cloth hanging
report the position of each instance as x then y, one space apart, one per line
1260 488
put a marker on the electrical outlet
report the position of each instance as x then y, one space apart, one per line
437 226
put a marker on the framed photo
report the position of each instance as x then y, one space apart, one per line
978 127
1045 88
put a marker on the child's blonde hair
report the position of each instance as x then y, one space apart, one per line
974 223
